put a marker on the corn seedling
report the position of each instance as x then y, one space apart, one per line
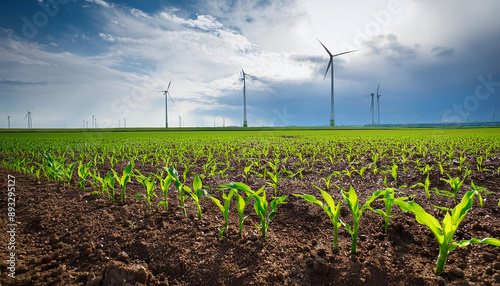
394 173
352 202
179 186
331 209
246 172
109 181
241 203
196 193
274 181
123 179
444 231
261 208
425 185
360 172
479 191
455 184
224 208
149 184
164 184
83 173
327 182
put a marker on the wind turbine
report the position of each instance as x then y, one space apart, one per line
28 115
124 122
8 119
180 119
378 104
330 63
167 94
372 109
492 113
244 98
93 120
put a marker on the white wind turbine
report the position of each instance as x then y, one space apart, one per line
167 95
378 103
180 119
372 109
8 119
492 113
330 63
243 74
30 123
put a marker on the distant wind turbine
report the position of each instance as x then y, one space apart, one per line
372 109
378 103
30 123
330 63
167 95
492 113
244 98
93 120
180 120
124 123
8 119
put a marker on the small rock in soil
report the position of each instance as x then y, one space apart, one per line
123 256
321 252
118 273
496 277
320 266
457 272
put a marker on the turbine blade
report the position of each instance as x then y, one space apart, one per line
169 84
171 98
330 63
330 54
344 53
378 87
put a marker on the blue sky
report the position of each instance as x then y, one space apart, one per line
67 60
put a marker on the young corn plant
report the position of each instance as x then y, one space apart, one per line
123 179
331 209
360 172
224 208
352 202
394 173
109 181
274 181
444 231
241 203
164 184
196 193
83 173
262 208
455 184
180 189
149 184
479 191
425 184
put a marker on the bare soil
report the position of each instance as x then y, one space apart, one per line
68 237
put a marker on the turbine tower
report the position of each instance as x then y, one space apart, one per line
378 103
93 120
492 113
180 120
30 123
8 119
167 95
372 109
244 98
330 63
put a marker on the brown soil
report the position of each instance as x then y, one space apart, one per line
66 237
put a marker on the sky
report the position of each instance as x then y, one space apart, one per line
69 61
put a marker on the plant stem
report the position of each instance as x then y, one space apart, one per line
443 255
